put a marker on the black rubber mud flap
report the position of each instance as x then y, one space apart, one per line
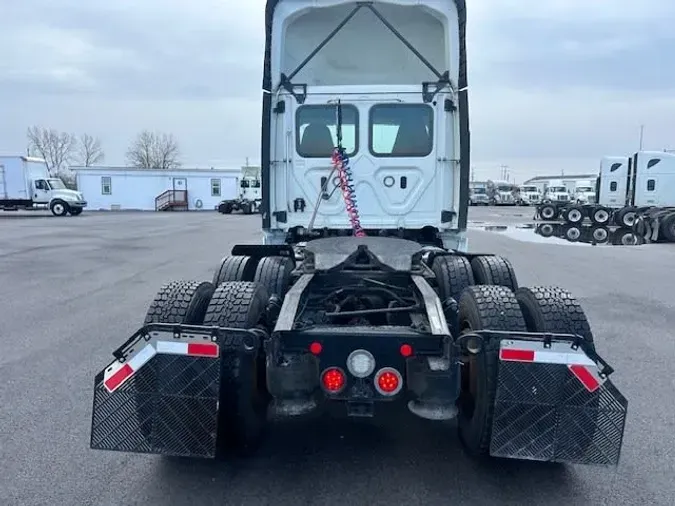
494 270
234 268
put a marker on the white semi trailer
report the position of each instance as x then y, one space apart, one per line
25 183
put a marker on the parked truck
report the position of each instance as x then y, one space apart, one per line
556 192
378 303
529 195
478 194
585 192
249 200
504 194
25 183
636 192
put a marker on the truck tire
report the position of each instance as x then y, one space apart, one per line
494 270
453 274
573 233
625 217
180 302
600 235
600 215
553 309
545 230
274 273
574 215
668 227
175 302
59 208
234 268
483 307
548 212
225 208
246 208
243 396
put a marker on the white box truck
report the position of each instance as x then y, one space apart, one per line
25 183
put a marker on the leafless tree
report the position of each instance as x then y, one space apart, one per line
152 150
57 148
90 151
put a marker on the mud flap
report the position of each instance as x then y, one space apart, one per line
161 395
554 403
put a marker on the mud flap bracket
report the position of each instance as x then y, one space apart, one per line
554 403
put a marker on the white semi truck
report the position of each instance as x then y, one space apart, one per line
556 192
25 183
249 200
636 192
366 303
584 192
529 195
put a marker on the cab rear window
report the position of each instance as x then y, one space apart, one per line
316 130
401 130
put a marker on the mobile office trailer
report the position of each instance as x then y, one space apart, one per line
25 183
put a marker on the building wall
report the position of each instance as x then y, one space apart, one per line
137 189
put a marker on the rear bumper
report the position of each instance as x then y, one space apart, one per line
553 400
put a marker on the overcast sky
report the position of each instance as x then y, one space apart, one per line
554 84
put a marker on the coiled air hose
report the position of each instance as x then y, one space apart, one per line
341 164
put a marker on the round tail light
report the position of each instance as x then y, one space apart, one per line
388 381
333 380
361 363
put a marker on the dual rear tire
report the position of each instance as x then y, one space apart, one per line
233 304
497 308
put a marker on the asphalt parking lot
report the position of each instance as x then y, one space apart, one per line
73 289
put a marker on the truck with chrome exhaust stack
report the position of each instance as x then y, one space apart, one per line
364 294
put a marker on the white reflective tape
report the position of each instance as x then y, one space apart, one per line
172 348
142 357
552 357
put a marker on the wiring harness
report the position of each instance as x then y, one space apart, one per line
341 165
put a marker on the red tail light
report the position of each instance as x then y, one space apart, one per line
315 348
388 381
406 350
333 380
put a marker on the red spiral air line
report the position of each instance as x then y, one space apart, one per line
341 164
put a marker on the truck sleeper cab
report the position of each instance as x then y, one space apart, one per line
401 121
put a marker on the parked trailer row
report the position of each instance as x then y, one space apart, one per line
636 192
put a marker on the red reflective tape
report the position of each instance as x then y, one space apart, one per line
119 377
584 375
203 349
516 355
